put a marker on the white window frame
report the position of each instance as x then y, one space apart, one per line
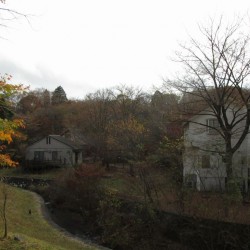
211 124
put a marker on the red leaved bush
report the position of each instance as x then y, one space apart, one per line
78 188
88 171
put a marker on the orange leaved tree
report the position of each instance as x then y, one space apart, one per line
8 131
8 124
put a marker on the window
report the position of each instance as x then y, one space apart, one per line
248 161
203 161
215 161
191 180
38 155
242 160
48 140
211 124
54 155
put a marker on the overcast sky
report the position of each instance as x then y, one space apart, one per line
86 45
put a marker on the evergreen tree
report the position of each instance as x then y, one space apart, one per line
58 96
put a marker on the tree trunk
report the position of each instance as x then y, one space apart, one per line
229 160
4 214
229 164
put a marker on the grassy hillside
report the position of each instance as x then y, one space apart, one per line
18 172
32 230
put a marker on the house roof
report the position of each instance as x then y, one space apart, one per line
70 143
73 145
194 104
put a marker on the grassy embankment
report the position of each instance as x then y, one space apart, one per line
18 172
33 231
163 190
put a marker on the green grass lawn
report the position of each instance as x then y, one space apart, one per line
32 229
18 172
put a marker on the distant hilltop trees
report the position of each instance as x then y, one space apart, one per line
41 98
58 96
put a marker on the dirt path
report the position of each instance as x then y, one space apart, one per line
45 214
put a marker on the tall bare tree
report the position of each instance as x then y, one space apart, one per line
217 72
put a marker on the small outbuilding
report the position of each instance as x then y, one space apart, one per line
54 150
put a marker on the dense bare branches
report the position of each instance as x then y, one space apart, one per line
221 60
217 71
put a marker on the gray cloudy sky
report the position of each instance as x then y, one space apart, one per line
85 45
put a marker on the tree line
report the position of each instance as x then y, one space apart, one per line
124 119
120 123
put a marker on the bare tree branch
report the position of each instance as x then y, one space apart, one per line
8 15
217 73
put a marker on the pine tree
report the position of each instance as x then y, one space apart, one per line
58 96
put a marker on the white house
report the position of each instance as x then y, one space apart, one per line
54 150
203 160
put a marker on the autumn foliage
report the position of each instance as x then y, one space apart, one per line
8 124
